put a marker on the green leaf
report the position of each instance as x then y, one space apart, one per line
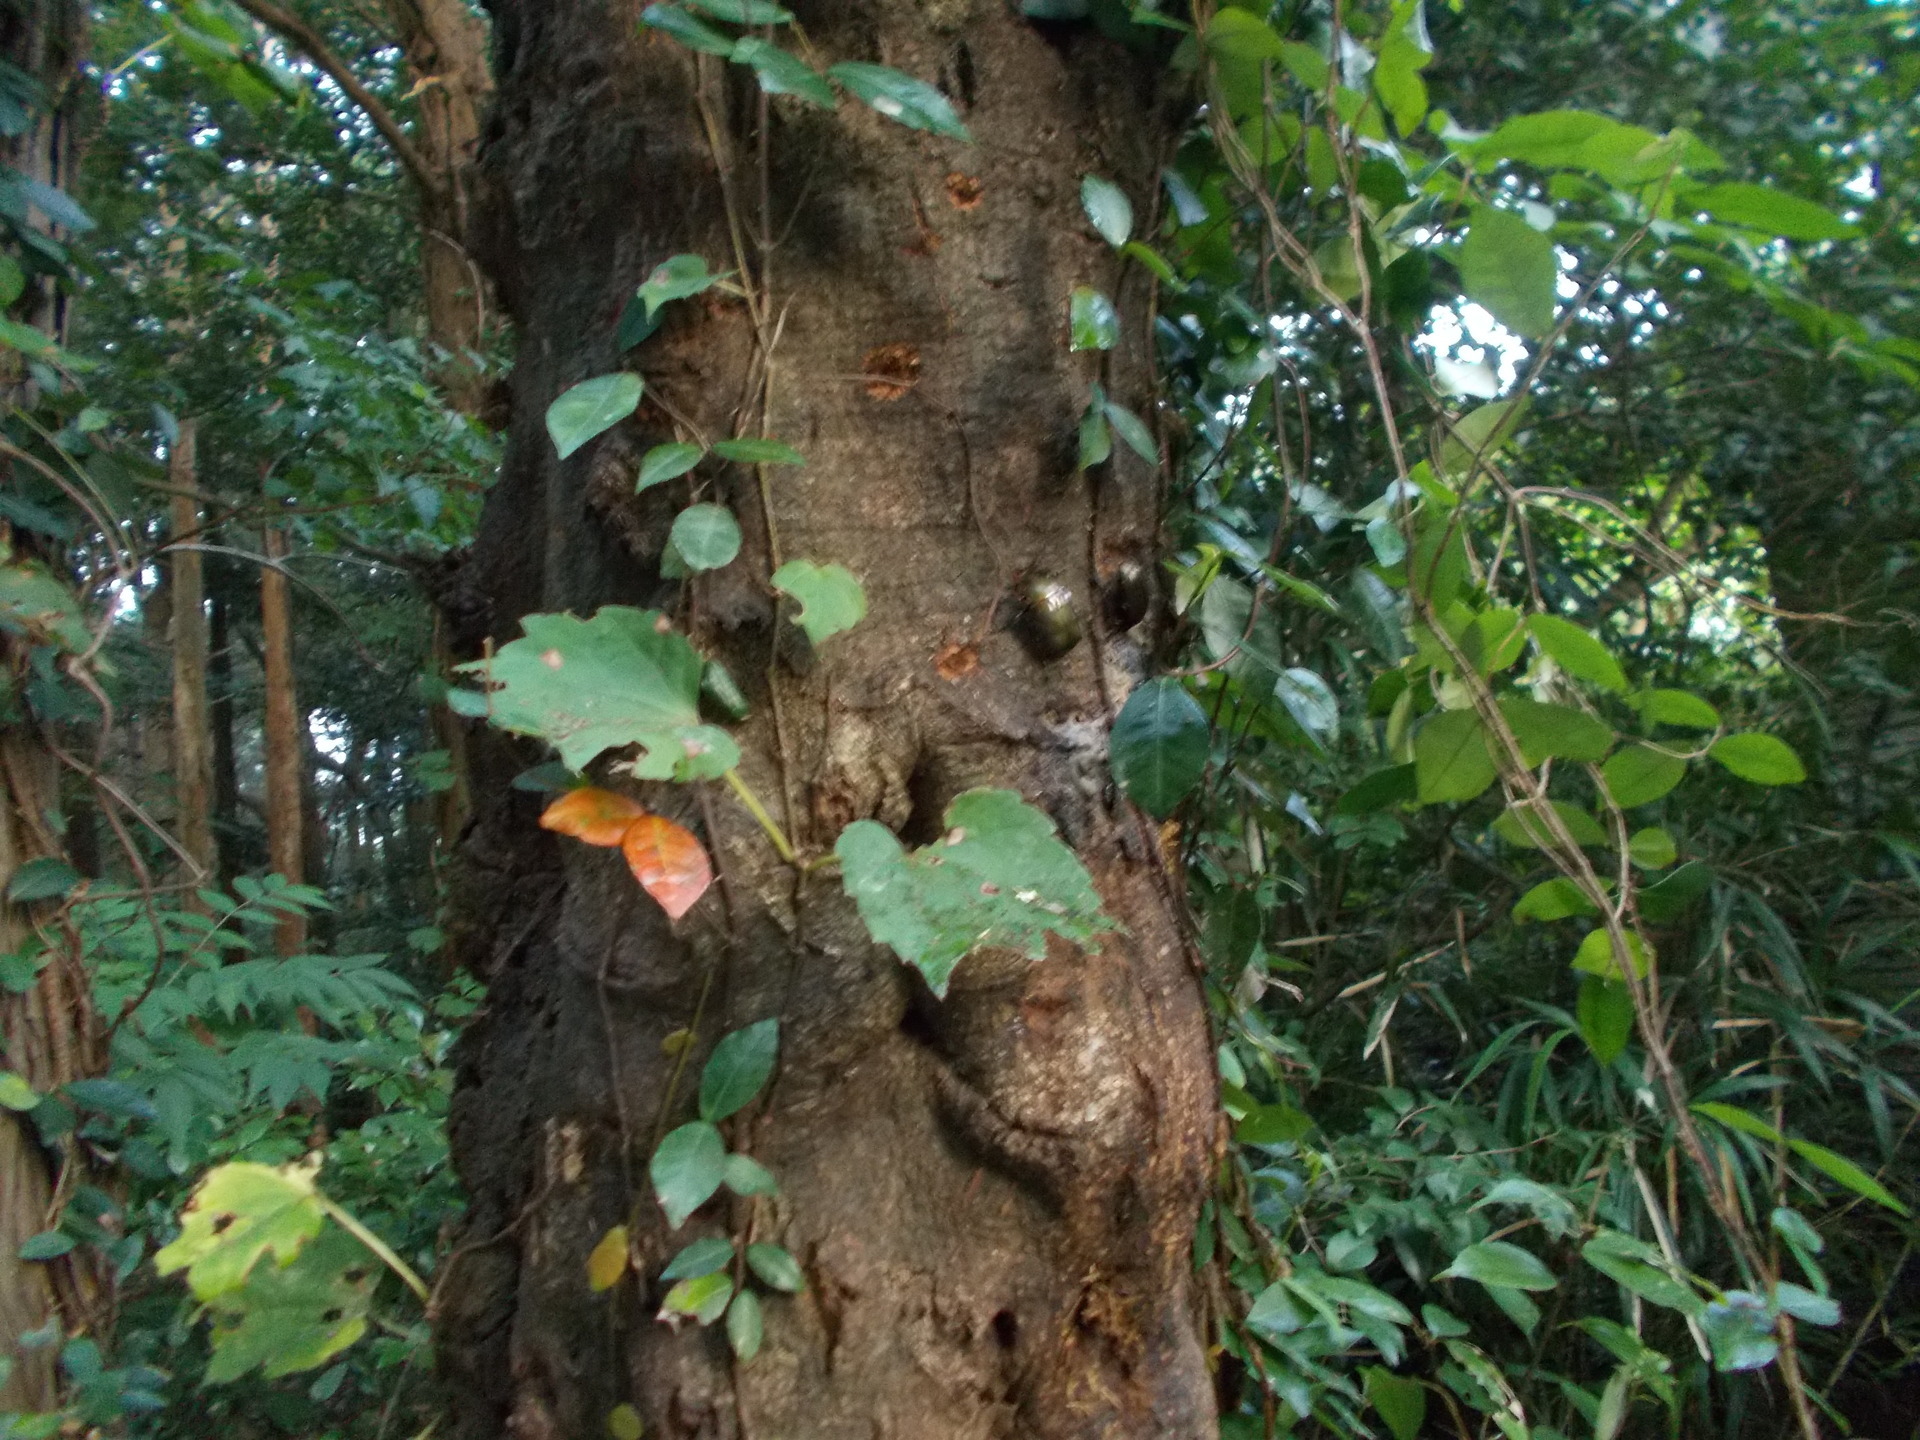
900 97
45 878
1528 832
1804 1304
238 1213
1000 879
667 462
687 1169
16 1093
34 604
1838 1168
776 1268
678 277
1652 848
591 408
1401 1401
747 1176
749 450
1497 1263
1108 208
1773 212
1666 900
1604 1013
1309 700
1481 432
47 1245
1509 267
623 1421
1555 899
621 678
782 74
706 536
745 1328
703 1299
1132 429
1676 707
1392 786
1557 731
1641 1269
1273 1125
744 12
1450 758
1763 759
831 597
1159 746
1443 1323
1096 438
1092 321
1577 652
1640 774
1595 955
702 1257
692 33
738 1067
1739 1327
293 1317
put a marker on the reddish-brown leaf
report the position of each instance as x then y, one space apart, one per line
670 864
598 817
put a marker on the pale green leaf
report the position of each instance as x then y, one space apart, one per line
900 97
750 450
591 408
1509 267
777 1268
1763 759
667 462
705 536
831 597
1092 322
1108 208
692 33
678 277
1498 1263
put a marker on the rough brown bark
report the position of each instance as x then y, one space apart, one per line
49 1035
993 1195
226 765
283 738
192 718
446 48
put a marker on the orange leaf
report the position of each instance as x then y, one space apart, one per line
598 817
670 864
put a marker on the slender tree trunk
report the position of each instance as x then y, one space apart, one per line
192 718
445 43
226 764
50 1034
992 1196
285 740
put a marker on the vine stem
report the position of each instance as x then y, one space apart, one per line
378 1246
767 822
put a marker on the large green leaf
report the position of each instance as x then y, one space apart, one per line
587 686
293 1317
686 1170
240 1212
1640 774
1604 1012
900 97
1400 1400
831 597
1557 731
1773 212
1638 1266
1509 267
1450 757
1498 1263
738 1067
591 408
1159 745
1000 879
1763 759
678 277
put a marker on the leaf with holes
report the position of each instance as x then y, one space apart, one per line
597 817
706 536
667 462
238 1213
1092 322
1000 879
668 861
688 1167
738 1067
831 597
1159 746
591 408
900 97
588 686
293 1317
1108 208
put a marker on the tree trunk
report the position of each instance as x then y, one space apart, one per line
993 1196
192 719
284 740
226 762
49 1035
446 48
